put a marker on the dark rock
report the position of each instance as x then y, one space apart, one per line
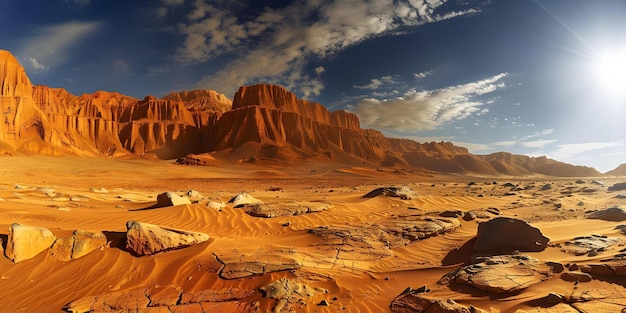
618 187
504 232
452 214
614 214
576 276
404 193
469 216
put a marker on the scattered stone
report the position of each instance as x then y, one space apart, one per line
504 232
546 187
323 303
80 244
469 216
243 198
290 295
597 182
194 194
404 193
556 267
508 185
171 199
493 211
614 214
452 214
25 242
580 181
552 299
285 209
500 274
618 187
621 196
586 244
218 206
576 276
148 239
98 190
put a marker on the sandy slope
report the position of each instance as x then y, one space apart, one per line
43 284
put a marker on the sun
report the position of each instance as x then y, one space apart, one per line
609 70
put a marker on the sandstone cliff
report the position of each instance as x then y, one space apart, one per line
261 122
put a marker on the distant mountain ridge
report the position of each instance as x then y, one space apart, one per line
261 122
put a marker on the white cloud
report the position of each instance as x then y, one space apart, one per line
120 66
567 151
473 147
376 83
422 75
34 64
424 110
507 143
275 46
319 70
537 143
50 46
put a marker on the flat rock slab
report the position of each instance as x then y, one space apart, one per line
404 193
412 301
501 274
247 265
148 239
509 233
164 299
373 242
586 244
25 242
614 214
285 209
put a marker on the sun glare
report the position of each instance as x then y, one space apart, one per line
609 70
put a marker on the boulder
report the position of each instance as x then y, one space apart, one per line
148 239
618 187
586 244
501 274
171 199
194 194
614 214
81 243
218 206
505 232
404 193
243 198
25 242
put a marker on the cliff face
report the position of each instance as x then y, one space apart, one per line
262 121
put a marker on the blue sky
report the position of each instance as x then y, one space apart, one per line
544 77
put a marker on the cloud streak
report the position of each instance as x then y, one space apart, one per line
50 45
276 45
425 110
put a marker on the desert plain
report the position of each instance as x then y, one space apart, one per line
307 240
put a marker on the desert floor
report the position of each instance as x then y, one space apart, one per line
62 194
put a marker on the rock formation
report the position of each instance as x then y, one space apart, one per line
618 171
170 199
148 239
261 122
25 242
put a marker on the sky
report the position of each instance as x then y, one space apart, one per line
532 77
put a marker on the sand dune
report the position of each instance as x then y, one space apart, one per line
246 252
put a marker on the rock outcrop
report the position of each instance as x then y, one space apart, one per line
509 233
285 209
25 242
614 214
416 301
148 239
261 122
